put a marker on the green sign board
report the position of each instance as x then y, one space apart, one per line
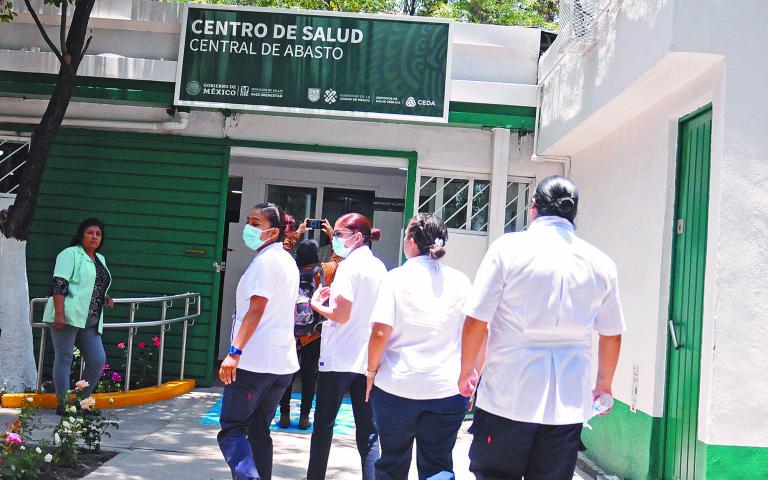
274 60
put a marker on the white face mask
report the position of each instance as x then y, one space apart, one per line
339 248
252 237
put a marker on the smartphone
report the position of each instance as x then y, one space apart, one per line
314 223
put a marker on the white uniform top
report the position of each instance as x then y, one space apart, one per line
272 274
344 347
543 292
422 302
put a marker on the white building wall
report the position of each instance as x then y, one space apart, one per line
627 184
615 111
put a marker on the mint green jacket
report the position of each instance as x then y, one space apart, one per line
76 267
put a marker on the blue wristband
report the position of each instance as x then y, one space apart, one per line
233 350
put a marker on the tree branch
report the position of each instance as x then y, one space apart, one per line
85 48
42 31
63 29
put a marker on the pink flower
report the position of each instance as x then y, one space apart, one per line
141 344
13 438
116 377
106 366
121 345
156 341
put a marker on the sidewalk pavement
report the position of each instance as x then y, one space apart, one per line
165 441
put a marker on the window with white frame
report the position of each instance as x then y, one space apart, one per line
13 157
519 190
462 202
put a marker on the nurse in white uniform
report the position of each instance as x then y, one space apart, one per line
344 343
414 357
539 296
262 355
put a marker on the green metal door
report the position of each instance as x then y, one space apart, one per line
162 199
687 295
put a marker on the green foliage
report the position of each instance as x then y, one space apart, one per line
536 13
6 11
21 463
364 6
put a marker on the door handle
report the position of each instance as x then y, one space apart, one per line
673 334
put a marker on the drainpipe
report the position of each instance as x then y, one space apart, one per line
179 123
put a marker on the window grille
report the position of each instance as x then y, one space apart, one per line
462 203
518 204
578 26
13 158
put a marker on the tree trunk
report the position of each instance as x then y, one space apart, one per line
17 363
20 214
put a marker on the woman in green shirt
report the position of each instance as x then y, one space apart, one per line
80 283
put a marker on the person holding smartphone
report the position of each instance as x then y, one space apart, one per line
344 343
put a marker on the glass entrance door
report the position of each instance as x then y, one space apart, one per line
339 201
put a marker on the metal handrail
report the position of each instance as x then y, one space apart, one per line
164 323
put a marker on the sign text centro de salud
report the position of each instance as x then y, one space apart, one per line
285 61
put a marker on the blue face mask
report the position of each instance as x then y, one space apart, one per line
252 237
339 248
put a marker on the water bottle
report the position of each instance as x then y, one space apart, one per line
602 404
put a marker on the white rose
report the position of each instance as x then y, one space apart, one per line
30 399
38 450
87 403
22 447
71 409
82 385
65 424
48 458
56 439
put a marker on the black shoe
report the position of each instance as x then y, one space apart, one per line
285 420
304 422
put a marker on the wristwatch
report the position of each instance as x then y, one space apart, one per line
370 374
233 350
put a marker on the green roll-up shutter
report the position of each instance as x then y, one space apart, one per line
162 199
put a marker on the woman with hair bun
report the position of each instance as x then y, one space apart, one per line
344 343
262 353
414 356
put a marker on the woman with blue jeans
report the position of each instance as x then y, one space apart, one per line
414 357
81 280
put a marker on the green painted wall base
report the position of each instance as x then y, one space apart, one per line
625 443
630 445
729 462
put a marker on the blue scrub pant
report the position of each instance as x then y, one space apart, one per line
331 387
504 449
434 424
247 410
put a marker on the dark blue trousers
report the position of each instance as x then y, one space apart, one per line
331 387
504 449
434 424
247 410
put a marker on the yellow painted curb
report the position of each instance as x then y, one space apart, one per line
142 396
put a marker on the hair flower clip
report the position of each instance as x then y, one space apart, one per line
439 242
